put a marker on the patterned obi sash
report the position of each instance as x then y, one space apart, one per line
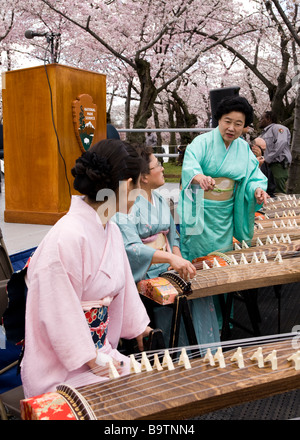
222 191
158 241
96 314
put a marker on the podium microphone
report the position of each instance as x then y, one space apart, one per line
31 34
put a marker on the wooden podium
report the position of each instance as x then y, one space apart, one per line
38 157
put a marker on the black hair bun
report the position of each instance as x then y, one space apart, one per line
91 173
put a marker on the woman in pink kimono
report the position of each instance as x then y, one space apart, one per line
81 294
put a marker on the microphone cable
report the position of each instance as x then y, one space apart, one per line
53 122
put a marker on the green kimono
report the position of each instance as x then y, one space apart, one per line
210 225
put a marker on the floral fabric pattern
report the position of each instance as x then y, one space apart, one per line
97 319
49 406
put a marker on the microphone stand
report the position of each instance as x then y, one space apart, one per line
53 40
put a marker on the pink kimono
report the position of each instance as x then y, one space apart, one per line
77 264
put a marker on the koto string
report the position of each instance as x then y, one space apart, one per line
196 372
212 346
171 374
182 395
140 376
177 350
221 274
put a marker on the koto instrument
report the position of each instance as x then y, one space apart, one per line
290 201
275 243
240 269
271 258
159 388
177 383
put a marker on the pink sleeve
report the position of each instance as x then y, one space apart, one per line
135 317
62 321
127 310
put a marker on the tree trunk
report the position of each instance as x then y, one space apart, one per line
158 148
156 123
127 107
184 119
293 186
173 143
148 95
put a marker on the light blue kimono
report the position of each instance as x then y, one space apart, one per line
209 225
145 220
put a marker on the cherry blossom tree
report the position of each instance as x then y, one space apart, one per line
289 17
153 50
6 22
7 18
269 56
149 44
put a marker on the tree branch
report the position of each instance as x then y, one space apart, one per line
164 29
92 33
250 65
9 26
286 20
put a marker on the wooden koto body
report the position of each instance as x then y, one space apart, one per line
278 232
192 389
282 204
264 265
241 276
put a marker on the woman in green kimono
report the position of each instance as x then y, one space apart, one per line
222 185
152 246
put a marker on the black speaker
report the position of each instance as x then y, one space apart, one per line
216 96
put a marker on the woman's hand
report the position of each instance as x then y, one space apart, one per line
184 267
140 338
206 182
261 196
100 364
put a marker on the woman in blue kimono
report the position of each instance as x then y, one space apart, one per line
222 185
152 246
